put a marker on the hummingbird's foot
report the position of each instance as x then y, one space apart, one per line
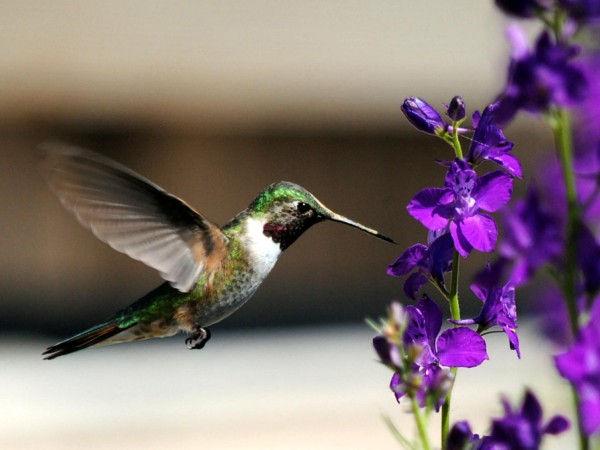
199 339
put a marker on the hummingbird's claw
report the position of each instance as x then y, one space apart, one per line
199 339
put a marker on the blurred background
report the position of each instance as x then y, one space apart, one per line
213 101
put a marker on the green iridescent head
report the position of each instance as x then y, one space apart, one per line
289 210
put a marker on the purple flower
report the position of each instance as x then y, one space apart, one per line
430 262
459 204
533 236
429 385
409 344
521 8
455 347
499 309
581 366
542 77
423 116
490 144
522 430
461 437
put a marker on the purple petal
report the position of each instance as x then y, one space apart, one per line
581 359
441 252
413 284
510 163
407 261
432 207
461 347
480 292
479 231
397 386
493 190
513 338
462 321
557 425
460 436
571 365
531 409
588 255
433 318
417 334
388 353
460 242
518 41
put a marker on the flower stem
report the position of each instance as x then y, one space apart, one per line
454 304
564 145
446 411
456 141
420 421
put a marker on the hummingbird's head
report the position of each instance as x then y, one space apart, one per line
289 210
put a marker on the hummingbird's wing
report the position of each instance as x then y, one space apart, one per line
134 215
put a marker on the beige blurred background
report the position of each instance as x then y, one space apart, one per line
214 100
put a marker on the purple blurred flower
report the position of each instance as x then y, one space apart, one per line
581 10
540 78
533 236
459 205
587 113
499 309
461 437
412 348
521 8
423 116
490 144
522 430
551 308
588 258
581 366
429 385
430 262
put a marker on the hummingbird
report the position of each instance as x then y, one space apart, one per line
210 271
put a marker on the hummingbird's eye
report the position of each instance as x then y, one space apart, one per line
302 207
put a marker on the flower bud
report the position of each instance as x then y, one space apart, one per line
423 117
460 437
456 109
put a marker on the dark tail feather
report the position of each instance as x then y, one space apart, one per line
90 337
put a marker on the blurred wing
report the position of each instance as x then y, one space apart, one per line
135 216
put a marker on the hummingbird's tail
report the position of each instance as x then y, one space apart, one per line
87 338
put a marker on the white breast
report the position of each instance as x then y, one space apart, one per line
262 250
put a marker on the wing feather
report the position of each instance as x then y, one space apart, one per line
134 215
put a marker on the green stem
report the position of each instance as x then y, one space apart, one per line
456 141
446 410
421 426
564 145
454 303
584 440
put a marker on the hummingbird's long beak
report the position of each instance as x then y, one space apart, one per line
341 219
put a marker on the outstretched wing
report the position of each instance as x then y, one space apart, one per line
134 215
